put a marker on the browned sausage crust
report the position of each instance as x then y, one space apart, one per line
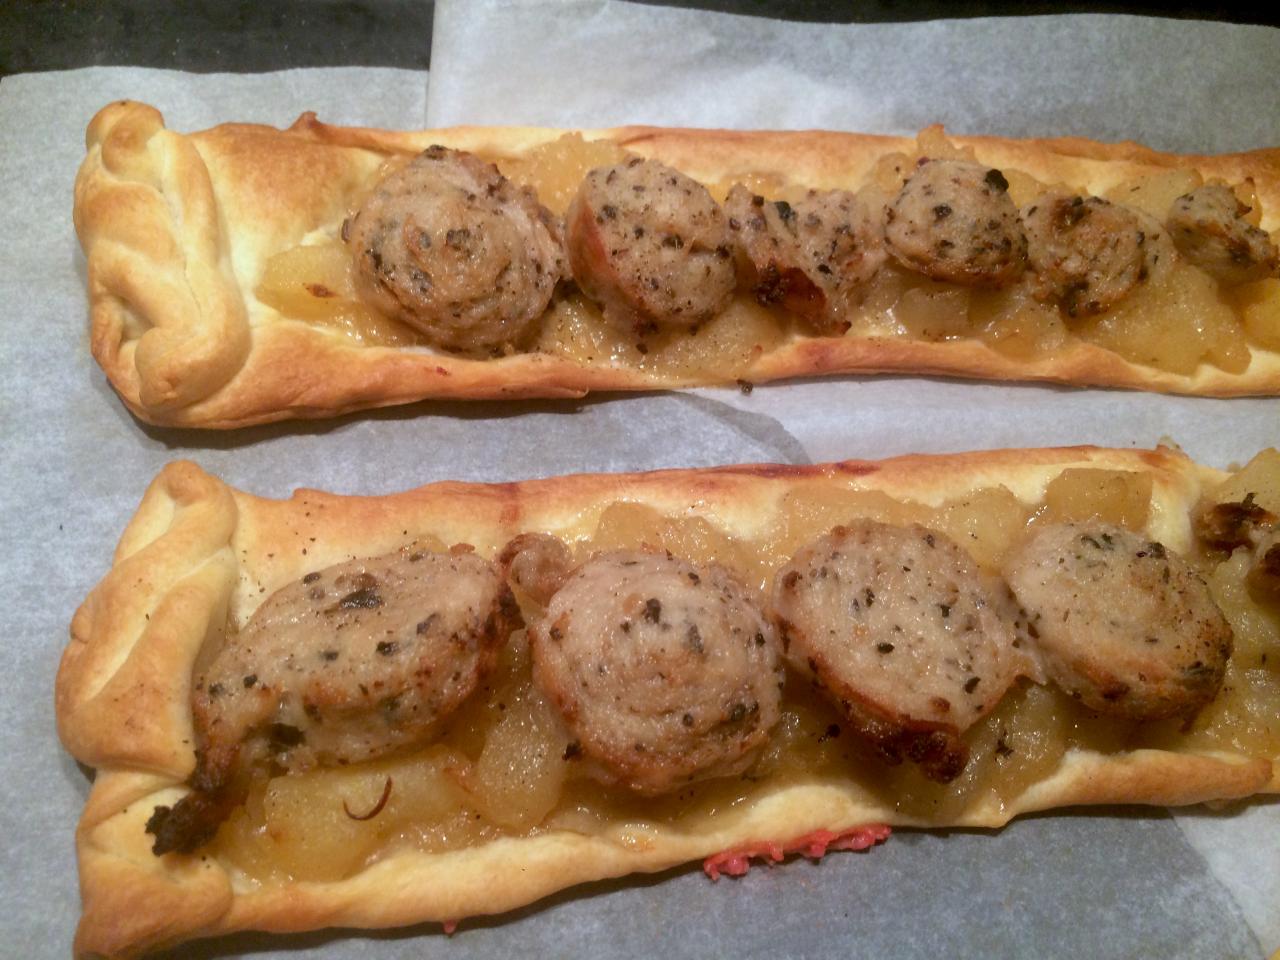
810 256
664 672
1085 253
1243 523
1121 623
536 564
453 248
650 245
343 665
1225 526
903 632
1209 229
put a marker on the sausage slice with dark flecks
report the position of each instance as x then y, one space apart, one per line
450 246
1087 254
664 672
954 220
1209 229
342 665
899 627
1120 622
811 256
650 245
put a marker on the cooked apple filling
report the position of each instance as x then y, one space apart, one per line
1164 270
511 762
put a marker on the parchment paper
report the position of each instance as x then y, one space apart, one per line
1174 85
75 463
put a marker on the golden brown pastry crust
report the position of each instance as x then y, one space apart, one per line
176 229
198 550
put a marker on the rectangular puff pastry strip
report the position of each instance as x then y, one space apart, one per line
198 551
176 229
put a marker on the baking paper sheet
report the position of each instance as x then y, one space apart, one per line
1104 884
1173 85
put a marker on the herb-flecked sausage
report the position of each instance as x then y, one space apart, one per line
664 672
903 632
1121 622
954 220
650 245
342 665
450 246
1209 229
1085 253
812 256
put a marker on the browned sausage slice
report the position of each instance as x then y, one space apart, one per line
665 673
343 665
809 257
1121 623
904 633
450 246
1209 229
1085 253
650 245
955 221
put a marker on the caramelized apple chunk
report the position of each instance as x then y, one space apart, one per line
1083 494
316 283
554 169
